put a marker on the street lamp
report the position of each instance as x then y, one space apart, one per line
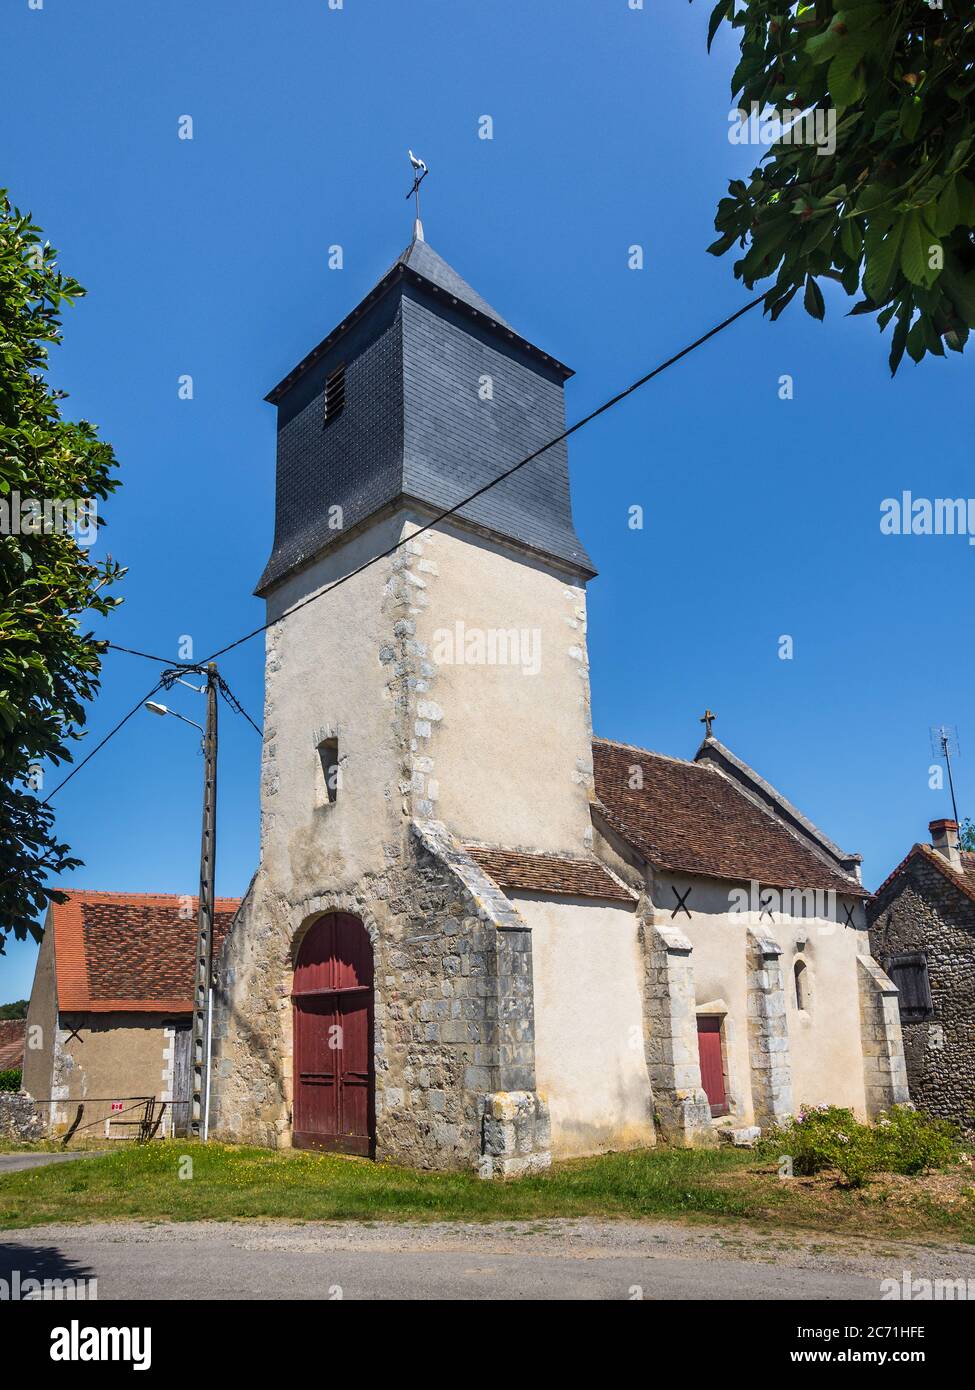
203 986
155 708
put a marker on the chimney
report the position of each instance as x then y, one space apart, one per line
944 838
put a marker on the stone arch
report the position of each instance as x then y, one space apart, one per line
299 921
304 913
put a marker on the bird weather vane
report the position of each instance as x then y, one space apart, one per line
420 172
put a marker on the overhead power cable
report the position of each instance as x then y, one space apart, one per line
228 694
149 656
98 746
451 511
442 516
235 704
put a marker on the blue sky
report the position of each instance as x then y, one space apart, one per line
209 257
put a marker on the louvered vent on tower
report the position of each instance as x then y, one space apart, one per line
334 394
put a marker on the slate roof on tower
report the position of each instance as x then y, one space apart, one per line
416 428
423 260
691 817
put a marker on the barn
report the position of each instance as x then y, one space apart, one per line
108 1024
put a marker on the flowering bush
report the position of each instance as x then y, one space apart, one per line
830 1137
910 1142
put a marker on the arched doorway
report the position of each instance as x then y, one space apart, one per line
334 1075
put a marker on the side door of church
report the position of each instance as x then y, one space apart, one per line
712 1063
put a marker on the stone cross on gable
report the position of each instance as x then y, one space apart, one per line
707 719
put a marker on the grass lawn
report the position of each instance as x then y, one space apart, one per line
230 1182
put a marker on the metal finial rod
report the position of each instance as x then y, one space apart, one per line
420 172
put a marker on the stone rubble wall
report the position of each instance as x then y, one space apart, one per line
923 911
20 1118
454 1014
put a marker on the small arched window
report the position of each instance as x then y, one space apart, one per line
801 976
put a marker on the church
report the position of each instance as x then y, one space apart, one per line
479 937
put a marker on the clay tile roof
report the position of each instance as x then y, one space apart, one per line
549 873
690 818
129 951
12 1034
964 880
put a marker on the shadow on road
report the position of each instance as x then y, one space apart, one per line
57 1275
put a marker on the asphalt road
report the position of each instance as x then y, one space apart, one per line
12 1163
548 1260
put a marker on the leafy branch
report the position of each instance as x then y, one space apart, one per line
889 212
49 665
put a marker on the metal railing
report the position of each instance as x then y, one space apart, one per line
128 1118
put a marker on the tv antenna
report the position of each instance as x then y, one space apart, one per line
944 744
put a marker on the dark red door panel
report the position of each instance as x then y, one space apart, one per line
712 1068
316 1096
334 1078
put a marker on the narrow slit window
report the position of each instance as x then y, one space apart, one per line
334 394
801 977
328 752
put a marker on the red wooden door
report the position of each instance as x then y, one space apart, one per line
334 1078
712 1070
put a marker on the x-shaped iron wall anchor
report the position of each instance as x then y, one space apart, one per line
681 901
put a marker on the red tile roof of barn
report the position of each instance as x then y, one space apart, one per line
690 818
12 1034
549 873
129 952
964 880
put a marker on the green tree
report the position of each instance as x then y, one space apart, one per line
18 1009
49 665
891 210
966 839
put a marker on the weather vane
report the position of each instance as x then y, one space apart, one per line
420 172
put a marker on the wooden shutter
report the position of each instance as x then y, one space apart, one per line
910 974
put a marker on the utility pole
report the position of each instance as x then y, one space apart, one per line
203 988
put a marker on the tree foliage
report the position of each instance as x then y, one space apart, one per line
49 665
891 211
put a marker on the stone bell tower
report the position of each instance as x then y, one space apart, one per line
419 398
437 697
